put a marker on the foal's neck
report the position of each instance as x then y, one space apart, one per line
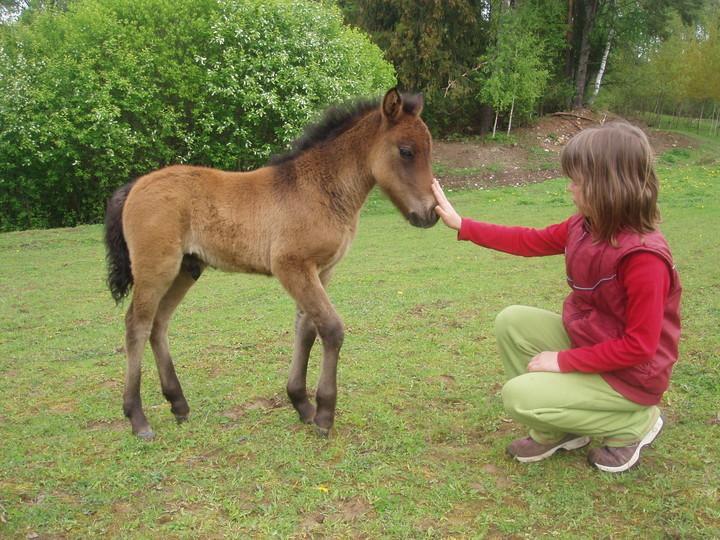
341 167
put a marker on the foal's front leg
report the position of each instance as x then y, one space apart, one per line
303 283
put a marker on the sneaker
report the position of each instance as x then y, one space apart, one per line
619 459
528 451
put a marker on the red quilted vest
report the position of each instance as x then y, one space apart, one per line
595 309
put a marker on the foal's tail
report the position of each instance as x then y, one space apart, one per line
120 278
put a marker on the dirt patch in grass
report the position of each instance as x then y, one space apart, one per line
310 524
355 509
446 381
352 510
501 479
533 158
63 406
423 310
111 384
211 456
258 403
109 425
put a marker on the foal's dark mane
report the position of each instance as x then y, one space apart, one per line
335 120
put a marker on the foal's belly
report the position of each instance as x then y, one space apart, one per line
231 252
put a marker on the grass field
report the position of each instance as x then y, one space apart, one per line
418 449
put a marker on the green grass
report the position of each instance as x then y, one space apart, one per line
674 155
418 450
443 170
501 138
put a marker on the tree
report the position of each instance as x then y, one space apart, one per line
434 47
583 44
597 23
512 74
110 89
588 11
676 74
10 10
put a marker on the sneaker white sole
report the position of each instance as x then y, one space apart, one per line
646 440
572 444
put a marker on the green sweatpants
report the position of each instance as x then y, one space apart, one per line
555 404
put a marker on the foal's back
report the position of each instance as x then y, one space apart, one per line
234 221
223 218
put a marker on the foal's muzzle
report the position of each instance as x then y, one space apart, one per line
424 220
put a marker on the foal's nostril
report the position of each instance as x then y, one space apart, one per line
428 219
431 218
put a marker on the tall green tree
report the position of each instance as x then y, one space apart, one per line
434 47
512 75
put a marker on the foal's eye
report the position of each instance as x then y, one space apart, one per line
406 152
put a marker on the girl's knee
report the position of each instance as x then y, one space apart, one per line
506 319
514 396
523 394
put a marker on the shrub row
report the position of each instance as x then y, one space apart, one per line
111 89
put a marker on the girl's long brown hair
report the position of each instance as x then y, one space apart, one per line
613 165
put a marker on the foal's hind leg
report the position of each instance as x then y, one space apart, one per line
138 322
169 382
305 334
138 326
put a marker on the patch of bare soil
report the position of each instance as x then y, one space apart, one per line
347 511
258 403
535 157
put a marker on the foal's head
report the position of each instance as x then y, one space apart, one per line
400 158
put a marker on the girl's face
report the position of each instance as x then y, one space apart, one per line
577 196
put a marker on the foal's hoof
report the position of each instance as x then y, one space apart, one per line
306 412
322 432
181 418
148 435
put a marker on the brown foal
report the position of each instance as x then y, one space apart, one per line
294 219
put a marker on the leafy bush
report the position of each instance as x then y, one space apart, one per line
111 89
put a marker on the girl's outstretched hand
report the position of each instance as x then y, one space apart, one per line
444 209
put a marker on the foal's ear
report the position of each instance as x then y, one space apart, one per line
392 105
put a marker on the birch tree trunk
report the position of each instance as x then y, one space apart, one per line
495 124
512 108
603 64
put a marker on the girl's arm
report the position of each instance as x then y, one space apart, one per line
646 279
523 241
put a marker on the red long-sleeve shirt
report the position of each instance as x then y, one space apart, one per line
644 275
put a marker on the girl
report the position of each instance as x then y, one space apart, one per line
600 369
